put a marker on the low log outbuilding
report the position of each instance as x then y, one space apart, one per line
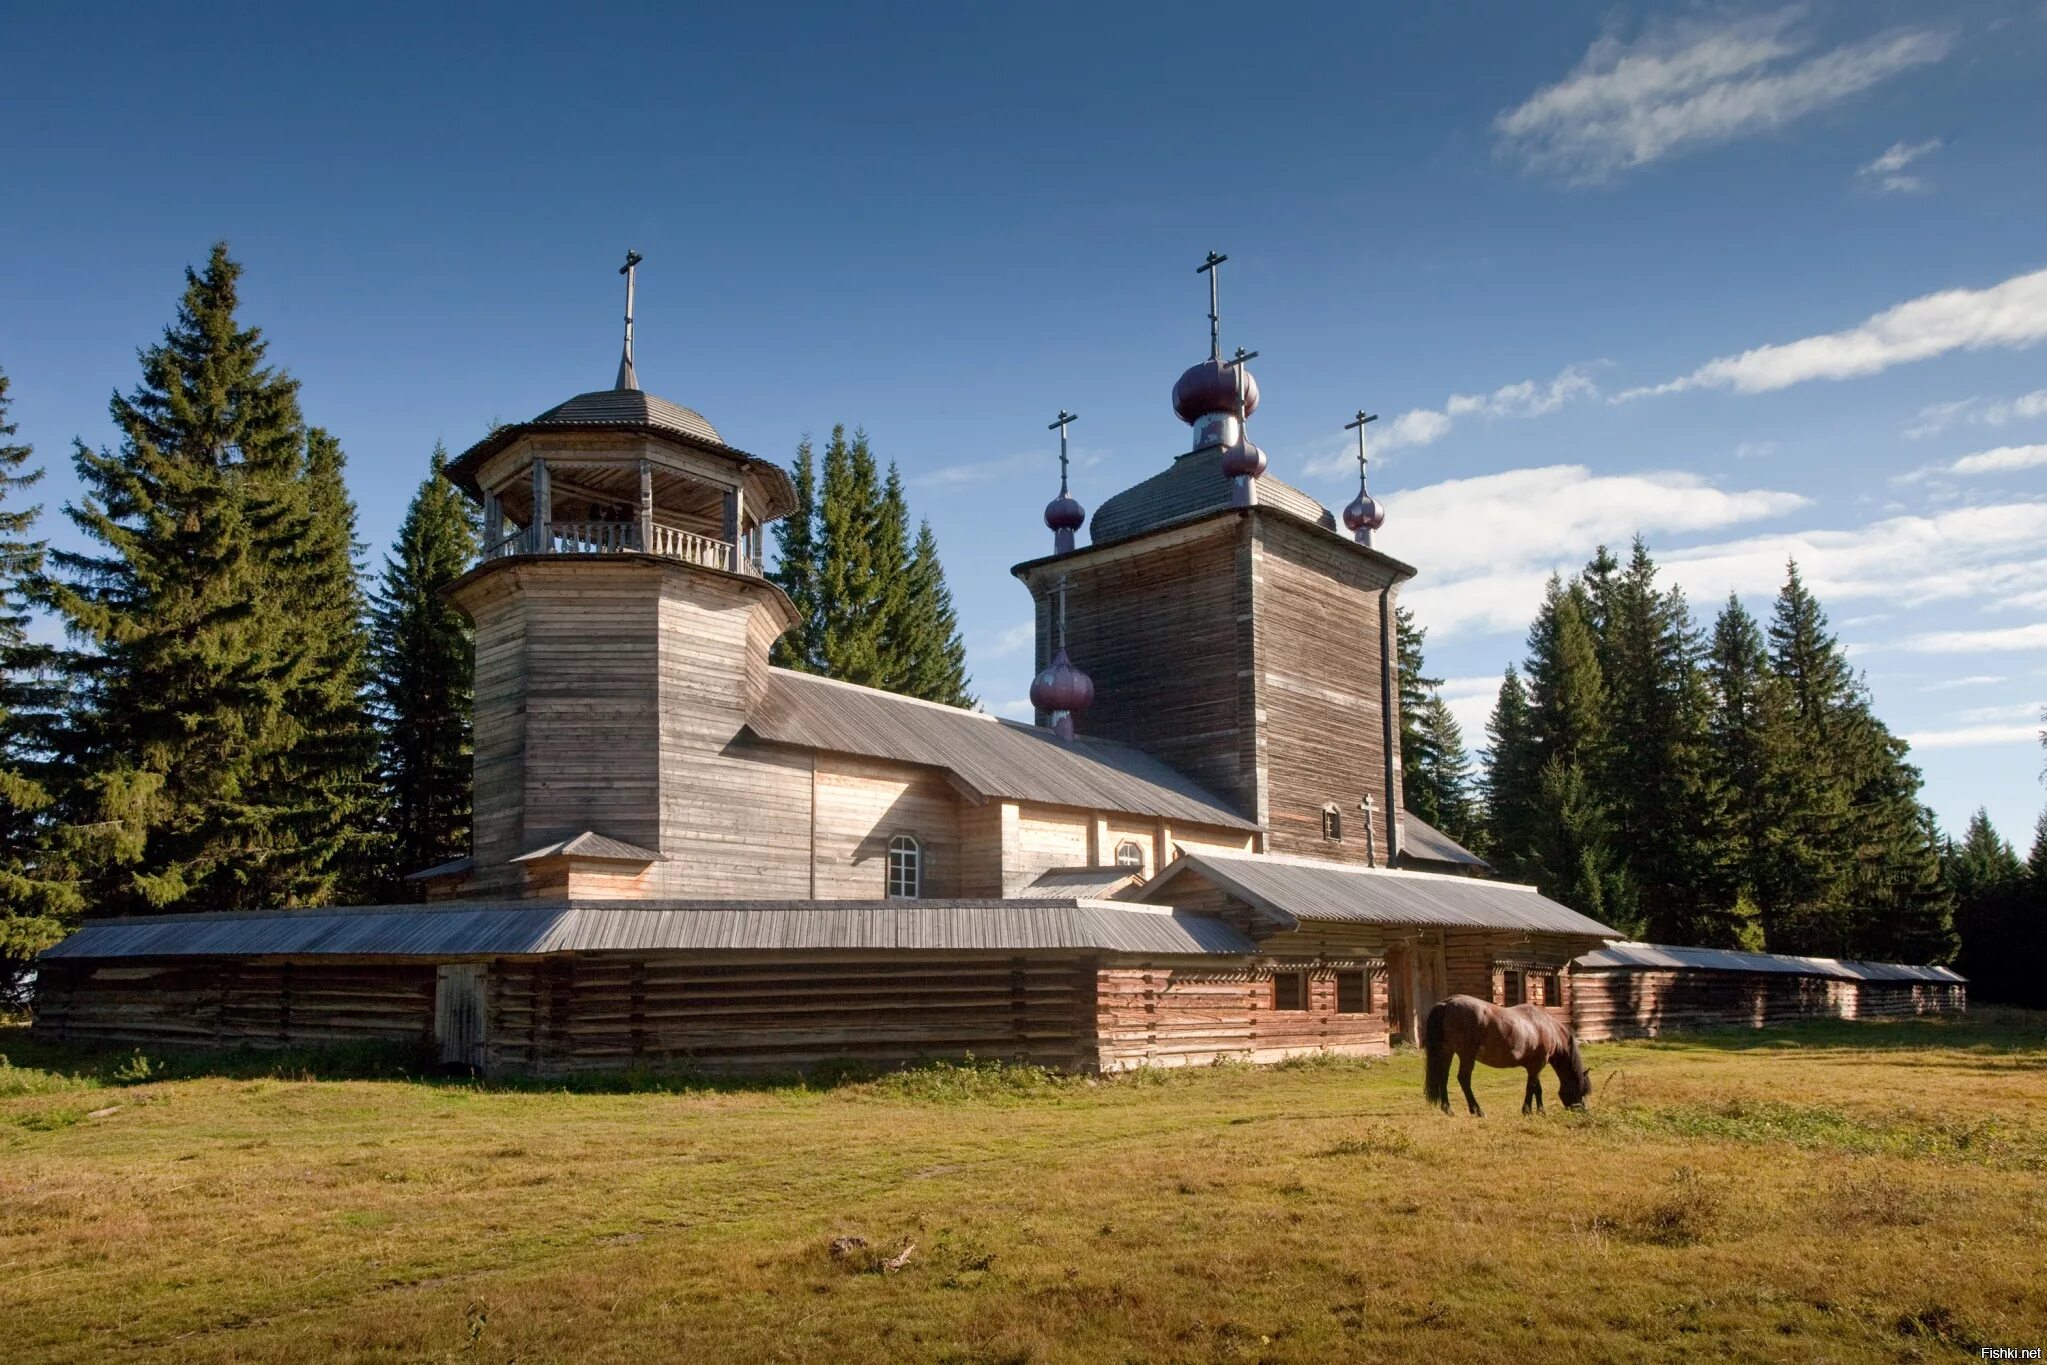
1632 990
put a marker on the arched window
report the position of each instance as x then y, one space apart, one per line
1332 822
905 868
1128 854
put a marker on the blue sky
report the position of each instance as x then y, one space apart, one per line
1756 281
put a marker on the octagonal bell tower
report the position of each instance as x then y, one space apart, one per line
622 627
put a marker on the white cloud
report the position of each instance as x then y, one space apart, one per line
2002 460
1885 174
2010 314
1471 703
1971 736
1978 641
1755 450
1010 641
1973 680
1003 467
1019 709
1490 542
1687 86
1426 426
2024 710
1978 412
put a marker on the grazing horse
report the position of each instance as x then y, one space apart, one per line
1526 1036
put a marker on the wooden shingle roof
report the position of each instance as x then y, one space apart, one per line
1192 486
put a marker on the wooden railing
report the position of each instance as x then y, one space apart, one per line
613 537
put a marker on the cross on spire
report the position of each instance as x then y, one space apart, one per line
1063 421
1236 362
1359 427
1208 268
626 378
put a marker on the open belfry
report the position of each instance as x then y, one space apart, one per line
684 855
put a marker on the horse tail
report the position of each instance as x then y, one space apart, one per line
1436 1048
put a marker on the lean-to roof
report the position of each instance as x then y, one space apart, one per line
1652 956
1420 839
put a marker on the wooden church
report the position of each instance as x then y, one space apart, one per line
684 855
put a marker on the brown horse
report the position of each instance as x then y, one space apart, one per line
1526 1036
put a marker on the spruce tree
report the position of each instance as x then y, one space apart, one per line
797 567
857 597
1441 793
38 901
190 621
1511 785
1996 912
1818 687
928 636
422 679
1419 759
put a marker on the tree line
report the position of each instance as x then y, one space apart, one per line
1731 787
233 721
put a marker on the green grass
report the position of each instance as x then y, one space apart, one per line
1834 1192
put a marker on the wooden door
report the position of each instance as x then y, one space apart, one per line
458 1014
1401 1019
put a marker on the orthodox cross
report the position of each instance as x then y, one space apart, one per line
626 378
1236 362
1359 427
1208 268
1065 420
1370 808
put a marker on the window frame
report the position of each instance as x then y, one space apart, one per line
1300 984
1513 985
1552 979
1332 824
1363 978
900 845
1136 852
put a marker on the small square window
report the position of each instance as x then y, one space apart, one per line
1332 823
1290 991
1353 993
1514 986
1553 989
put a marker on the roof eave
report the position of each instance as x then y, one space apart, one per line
1400 569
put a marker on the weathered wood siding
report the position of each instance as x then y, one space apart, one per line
751 1012
1315 604
1645 1002
235 1003
1167 1014
862 804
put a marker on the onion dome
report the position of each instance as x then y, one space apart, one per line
1364 514
1211 386
1245 459
1062 687
1063 513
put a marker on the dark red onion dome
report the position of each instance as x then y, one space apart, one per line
1211 386
1063 513
1243 458
1062 687
1364 514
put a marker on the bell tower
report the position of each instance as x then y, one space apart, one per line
622 627
1228 627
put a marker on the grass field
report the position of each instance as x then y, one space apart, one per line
1840 1192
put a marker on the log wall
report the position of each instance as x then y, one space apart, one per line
1637 1003
235 1003
862 804
1163 1014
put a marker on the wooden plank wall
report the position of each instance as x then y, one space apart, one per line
1315 604
590 1012
862 804
1646 1002
235 1003
1163 1014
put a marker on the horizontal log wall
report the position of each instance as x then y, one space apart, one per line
594 1012
1644 1003
227 1004
1166 1015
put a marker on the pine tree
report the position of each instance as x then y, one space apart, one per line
928 638
1441 792
1419 760
38 902
186 750
1512 782
1817 836
2036 861
857 596
1566 694
1996 912
797 567
422 679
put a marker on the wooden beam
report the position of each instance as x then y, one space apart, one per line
543 507
646 505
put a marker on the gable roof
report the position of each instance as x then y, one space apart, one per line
590 844
1421 840
524 928
1651 956
1002 759
1288 890
1190 486
1097 883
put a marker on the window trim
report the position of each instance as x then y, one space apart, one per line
1300 979
898 846
1136 852
1332 823
1364 989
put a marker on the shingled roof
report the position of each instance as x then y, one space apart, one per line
992 758
1423 842
1191 486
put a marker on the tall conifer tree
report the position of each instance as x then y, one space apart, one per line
1418 758
928 640
422 679
194 650
1512 781
797 566
857 598
1996 911
38 900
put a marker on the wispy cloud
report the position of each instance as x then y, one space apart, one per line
1755 450
1992 412
1018 709
2002 460
1685 86
1003 643
1992 641
1973 680
1886 174
1426 426
973 472
1973 736
2011 314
